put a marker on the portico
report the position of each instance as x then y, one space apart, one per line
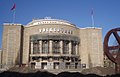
51 52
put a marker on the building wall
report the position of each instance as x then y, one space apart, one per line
91 51
83 47
33 30
16 42
11 44
90 48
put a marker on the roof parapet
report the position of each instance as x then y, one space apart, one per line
48 20
14 24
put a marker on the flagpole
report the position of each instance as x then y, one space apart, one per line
14 12
93 23
92 18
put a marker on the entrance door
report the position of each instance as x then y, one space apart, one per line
56 65
44 65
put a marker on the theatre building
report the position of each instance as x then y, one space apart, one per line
51 44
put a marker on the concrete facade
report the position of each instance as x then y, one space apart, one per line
51 44
11 44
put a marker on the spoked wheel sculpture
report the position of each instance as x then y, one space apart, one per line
107 48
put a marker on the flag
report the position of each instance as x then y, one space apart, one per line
13 7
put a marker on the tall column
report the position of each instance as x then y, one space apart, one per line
76 49
50 46
61 47
31 47
40 46
70 47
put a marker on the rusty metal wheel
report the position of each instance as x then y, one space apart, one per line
107 48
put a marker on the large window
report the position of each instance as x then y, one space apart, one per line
56 47
45 46
66 47
73 48
35 47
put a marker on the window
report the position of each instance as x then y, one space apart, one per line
45 47
73 48
56 47
65 47
35 47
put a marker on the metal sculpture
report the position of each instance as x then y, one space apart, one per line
107 48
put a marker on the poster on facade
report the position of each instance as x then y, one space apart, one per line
38 65
72 65
50 65
62 65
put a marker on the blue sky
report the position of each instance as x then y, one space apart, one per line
106 12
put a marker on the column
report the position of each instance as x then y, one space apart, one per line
31 47
40 46
70 47
76 49
50 46
61 47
